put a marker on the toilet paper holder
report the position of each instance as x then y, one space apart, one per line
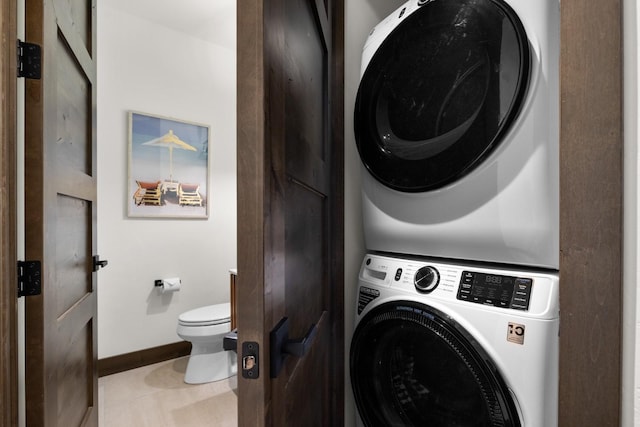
168 285
159 282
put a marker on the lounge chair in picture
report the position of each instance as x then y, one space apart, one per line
188 195
148 193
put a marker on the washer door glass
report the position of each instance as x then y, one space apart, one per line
412 365
440 93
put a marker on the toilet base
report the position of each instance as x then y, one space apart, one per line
207 365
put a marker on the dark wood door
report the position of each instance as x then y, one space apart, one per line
60 205
8 218
290 207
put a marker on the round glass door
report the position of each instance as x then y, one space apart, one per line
412 365
440 93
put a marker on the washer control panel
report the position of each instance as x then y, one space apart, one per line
495 289
469 286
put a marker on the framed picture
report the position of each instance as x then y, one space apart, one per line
168 168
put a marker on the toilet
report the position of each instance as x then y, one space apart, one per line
205 328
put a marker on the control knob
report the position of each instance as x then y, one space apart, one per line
426 279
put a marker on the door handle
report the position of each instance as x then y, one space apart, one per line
281 346
300 346
98 264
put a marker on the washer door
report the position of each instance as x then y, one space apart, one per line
440 93
412 365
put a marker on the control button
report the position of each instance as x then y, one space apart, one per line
521 294
466 283
368 261
398 274
426 279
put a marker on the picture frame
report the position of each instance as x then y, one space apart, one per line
168 173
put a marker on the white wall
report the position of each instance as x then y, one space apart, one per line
149 68
360 17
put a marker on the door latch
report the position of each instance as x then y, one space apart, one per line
250 366
29 278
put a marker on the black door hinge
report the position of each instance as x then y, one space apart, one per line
29 278
29 60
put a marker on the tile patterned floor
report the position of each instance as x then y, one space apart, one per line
157 396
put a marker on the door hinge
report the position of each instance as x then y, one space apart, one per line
29 60
29 278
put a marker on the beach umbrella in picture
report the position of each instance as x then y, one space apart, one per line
170 141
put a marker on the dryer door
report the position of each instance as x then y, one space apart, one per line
440 93
412 365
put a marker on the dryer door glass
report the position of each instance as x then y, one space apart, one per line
441 92
411 365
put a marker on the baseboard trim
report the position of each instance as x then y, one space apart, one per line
136 359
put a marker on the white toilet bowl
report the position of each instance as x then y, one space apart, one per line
205 328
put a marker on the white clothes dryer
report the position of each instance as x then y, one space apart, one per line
457 127
441 344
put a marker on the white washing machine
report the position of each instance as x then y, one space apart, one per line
440 344
457 126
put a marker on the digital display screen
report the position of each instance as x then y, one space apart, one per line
495 289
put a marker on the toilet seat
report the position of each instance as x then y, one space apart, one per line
209 315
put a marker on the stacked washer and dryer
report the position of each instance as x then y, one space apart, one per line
457 127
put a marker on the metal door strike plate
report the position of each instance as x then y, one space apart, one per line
250 365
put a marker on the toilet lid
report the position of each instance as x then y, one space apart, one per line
206 316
